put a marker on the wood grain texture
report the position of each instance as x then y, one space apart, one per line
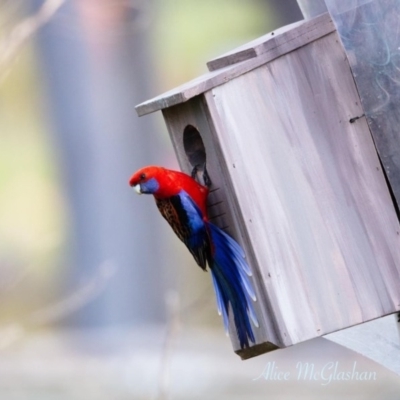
312 196
222 208
277 42
299 37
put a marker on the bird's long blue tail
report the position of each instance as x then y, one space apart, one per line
232 285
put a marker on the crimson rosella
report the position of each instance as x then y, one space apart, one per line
182 202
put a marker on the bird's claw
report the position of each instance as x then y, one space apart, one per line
206 177
194 172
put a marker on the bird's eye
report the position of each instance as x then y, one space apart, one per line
142 176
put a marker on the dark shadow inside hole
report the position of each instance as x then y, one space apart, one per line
194 147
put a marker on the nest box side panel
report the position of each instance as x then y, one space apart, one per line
183 121
311 191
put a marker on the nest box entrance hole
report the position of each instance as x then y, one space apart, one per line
196 154
194 147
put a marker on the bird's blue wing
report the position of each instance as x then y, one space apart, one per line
187 222
232 284
226 259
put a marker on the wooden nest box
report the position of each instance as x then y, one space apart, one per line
296 179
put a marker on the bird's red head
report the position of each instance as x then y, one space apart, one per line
164 183
147 180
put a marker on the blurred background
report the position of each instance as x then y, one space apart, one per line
98 299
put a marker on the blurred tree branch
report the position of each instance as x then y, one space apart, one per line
11 45
60 308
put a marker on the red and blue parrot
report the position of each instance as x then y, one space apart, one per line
181 200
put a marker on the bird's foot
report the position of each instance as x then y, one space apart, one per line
194 172
206 177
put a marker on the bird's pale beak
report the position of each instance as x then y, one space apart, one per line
138 189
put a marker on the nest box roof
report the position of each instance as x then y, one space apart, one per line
243 59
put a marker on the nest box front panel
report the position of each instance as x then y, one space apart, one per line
310 190
194 139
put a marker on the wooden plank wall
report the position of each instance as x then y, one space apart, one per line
309 185
222 209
